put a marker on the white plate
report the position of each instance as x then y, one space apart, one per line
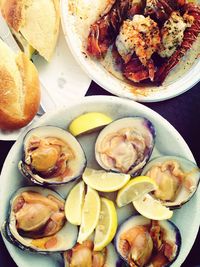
62 77
168 141
77 16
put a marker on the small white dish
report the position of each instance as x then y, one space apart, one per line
78 15
168 141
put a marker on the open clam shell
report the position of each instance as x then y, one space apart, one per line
61 240
125 145
52 156
177 179
168 235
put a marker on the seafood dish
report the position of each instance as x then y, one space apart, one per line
37 221
77 189
140 241
51 160
144 39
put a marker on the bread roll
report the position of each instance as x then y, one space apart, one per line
19 89
37 20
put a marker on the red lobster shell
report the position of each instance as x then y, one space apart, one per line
189 38
135 71
161 9
105 30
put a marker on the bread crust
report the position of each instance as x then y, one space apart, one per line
15 14
12 117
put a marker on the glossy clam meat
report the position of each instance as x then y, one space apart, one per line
125 145
177 179
143 242
83 255
52 156
37 221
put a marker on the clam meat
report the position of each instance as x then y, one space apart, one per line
83 255
125 145
37 221
51 156
143 242
177 179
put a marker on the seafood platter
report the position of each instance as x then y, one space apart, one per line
106 182
144 50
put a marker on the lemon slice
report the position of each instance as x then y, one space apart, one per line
74 204
152 208
107 225
90 214
135 188
88 122
105 181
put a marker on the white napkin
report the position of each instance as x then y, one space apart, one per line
63 78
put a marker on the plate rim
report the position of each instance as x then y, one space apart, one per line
90 99
156 96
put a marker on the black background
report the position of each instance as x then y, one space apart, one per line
183 112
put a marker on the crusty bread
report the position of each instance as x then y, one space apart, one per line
19 89
37 20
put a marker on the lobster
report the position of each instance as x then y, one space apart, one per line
160 10
105 30
190 35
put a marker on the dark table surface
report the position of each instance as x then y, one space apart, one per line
183 112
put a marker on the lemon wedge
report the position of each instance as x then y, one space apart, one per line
88 122
23 44
152 208
107 225
105 181
134 189
74 204
90 214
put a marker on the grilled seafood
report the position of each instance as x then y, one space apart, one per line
189 37
149 37
143 242
162 9
139 35
104 31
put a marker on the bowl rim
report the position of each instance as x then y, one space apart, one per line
113 84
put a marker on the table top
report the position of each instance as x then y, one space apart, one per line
183 112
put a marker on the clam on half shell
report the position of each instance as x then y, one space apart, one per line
143 242
125 145
52 156
83 255
37 223
177 179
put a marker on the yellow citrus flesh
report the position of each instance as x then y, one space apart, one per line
88 122
74 204
90 214
105 181
152 208
134 189
107 225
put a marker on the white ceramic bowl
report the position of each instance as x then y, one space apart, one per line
76 32
168 141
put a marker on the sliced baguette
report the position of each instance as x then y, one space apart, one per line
19 89
37 20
